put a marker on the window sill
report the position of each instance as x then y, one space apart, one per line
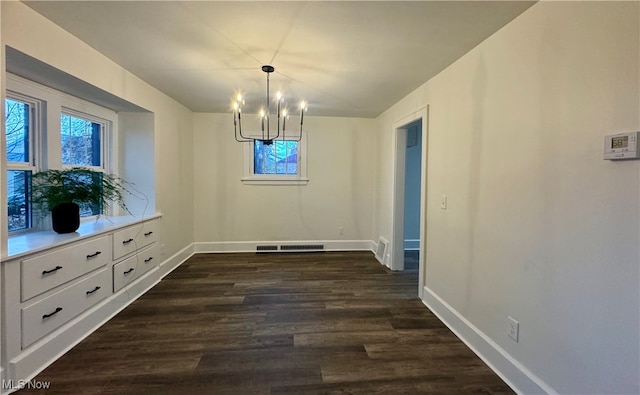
29 242
274 181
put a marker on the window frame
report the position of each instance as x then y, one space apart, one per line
34 137
250 178
46 140
105 131
34 110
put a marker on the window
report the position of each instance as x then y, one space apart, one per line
84 137
81 141
281 162
279 157
20 136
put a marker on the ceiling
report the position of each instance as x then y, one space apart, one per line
345 58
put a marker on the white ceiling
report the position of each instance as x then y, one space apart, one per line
346 58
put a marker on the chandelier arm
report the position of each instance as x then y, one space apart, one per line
235 128
243 141
242 138
277 134
299 137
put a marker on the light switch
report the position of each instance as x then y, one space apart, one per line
443 202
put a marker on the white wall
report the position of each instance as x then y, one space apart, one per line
136 146
538 225
340 169
32 34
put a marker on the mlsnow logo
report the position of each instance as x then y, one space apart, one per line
29 384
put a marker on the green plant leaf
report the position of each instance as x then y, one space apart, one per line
78 185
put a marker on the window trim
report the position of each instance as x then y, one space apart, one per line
105 132
35 107
249 178
47 154
106 143
35 129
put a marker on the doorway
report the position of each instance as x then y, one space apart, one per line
412 192
409 196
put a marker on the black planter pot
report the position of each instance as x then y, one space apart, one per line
65 217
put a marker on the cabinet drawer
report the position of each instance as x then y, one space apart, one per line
45 272
53 311
130 239
133 267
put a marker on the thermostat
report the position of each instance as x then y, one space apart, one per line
622 146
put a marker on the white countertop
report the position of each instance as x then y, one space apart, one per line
28 243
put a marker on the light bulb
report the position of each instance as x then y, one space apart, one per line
279 95
262 113
239 98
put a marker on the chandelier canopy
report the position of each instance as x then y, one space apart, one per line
266 134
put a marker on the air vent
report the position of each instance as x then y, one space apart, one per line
381 250
302 247
266 248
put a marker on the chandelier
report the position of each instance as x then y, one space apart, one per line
266 135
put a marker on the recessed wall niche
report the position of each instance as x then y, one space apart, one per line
134 153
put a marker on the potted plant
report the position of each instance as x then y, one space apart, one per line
63 192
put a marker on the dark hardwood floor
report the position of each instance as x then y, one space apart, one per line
316 323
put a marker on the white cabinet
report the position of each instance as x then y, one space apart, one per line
133 238
46 271
133 267
58 294
42 317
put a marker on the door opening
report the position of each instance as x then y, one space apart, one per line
409 196
412 193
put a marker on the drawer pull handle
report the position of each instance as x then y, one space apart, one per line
128 271
55 269
127 241
149 233
58 309
93 290
94 254
148 259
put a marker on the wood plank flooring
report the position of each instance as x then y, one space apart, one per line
315 323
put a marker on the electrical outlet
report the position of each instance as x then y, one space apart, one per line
513 329
340 231
443 202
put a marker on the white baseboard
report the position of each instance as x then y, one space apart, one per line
48 349
519 378
250 246
412 244
177 259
